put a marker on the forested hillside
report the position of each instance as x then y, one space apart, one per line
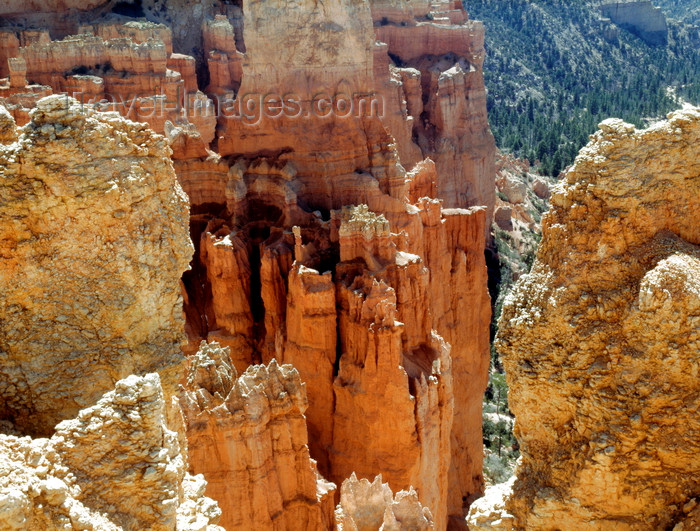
686 10
555 69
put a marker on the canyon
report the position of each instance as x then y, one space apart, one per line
339 169
244 285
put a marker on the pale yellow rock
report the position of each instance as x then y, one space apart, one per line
93 240
117 466
8 127
600 341
489 512
366 506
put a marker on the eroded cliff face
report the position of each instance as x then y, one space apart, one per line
438 55
93 237
247 435
117 465
600 340
321 230
641 18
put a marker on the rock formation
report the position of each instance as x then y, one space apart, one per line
366 506
117 465
93 242
600 341
246 290
319 213
248 436
641 18
438 55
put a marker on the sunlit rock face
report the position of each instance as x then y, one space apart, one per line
366 506
94 239
261 414
641 18
600 340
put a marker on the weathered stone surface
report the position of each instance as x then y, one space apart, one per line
93 239
446 57
8 127
21 6
512 187
541 189
116 466
114 64
247 435
600 341
503 218
225 62
366 506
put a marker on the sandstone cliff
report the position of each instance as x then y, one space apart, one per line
247 435
116 466
93 238
600 341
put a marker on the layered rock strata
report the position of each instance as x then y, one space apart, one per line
115 64
600 340
117 465
93 239
248 436
366 506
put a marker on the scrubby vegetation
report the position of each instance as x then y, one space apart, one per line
553 71
552 75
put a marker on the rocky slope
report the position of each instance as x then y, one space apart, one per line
339 225
600 341
685 10
555 69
